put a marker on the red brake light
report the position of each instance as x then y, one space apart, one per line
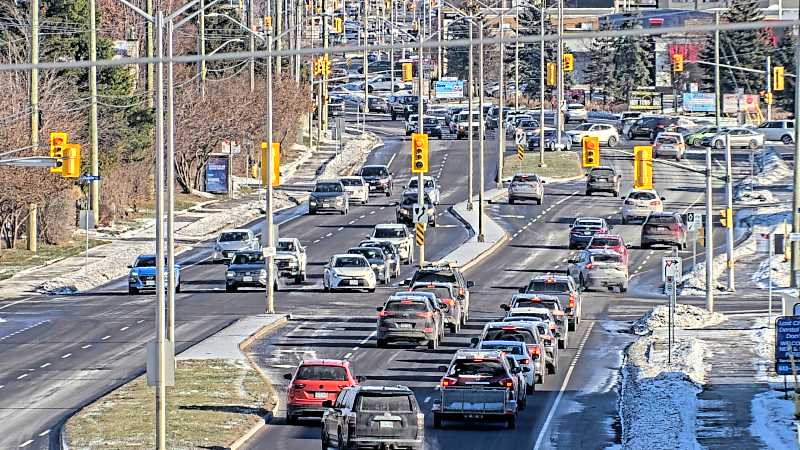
461 291
427 330
534 349
449 301
589 266
552 326
427 314
406 302
447 381
509 327
385 314
507 382
524 361
571 300
536 300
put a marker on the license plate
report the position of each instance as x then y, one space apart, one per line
150 283
320 395
387 424
353 282
246 279
602 179
404 325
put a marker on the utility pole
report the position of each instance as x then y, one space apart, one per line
796 190
366 65
420 129
516 61
769 87
729 206
202 26
298 36
34 100
277 22
501 132
150 51
541 85
391 46
709 225
170 187
268 222
250 23
481 137
440 26
324 84
471 93
558 114
95 165
161 391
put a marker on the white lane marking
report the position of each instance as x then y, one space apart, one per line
26 443
361 216
2 386
315 241
105 337
44 365
553 408
348 355
23 330
44 433
639 268
651 252
372 212
123 328
382 208
354 348
329 235
564 260
340 229
514 235
86 346
391 160
66 356
14 303
351 222
556 266
366 339
140 321
22 376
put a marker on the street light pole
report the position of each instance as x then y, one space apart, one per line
516 61
95 165
439 25
541 85
268 223
170 187
34 103
202 45
709 229
252 45
471 93
481 136
558 116
796 190
161 392
729 206
420 129
366 66
501 134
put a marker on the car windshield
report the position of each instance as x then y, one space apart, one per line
431 121
415 182
478 368
542 316
145 261
374 172
438 291
322 373
588 223
248 258
328 187
405 306
400 403
642 196
508 348
606 257
351 181
346 261
516 334
285 246
527 123
232 236
549 286
525 179
409 200
604 242
574 106
389 233
602 173
369 253
661 220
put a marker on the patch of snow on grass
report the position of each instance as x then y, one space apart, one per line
773 420
685 316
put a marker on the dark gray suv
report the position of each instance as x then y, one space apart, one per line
603 179
328 196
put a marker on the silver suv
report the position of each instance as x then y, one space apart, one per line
526 186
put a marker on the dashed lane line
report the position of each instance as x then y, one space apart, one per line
44 365
123 328
348 355
44 433
105 337
26 443
24 375
86 346
65 356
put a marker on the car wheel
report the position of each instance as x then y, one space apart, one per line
652 136
612 141
380 343
298 279
432 344
624 287
133 291
511 200
624 220
437 420
562 344
786 139
530 388
292 420
630 135
453 328
371 291
312 212
512 422
394 116
753 145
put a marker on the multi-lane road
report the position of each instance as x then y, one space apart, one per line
59 353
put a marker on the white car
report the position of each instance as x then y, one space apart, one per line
778 130
347 271
231 241
356 188
606 134
668 144
639 203
575 113
431 188
739 137
464 123
398 235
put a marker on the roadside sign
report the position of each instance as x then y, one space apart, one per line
671 266
794 237
85 178
519 137
669 286
694 221
268 251
419 214
796 309
787 341
419 233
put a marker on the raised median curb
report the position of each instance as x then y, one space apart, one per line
472 252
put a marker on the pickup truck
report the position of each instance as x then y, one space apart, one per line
290 259
479 385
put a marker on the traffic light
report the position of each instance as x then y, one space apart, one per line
677 62
58 140
551 74
591 151
768 98
777 78
726 218
408 71
643 167
326 66
267 22
568 62
71 167
276 164
337 25
419 153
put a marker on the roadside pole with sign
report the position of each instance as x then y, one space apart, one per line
694 222
671 272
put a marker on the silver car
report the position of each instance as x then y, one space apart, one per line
231 241
357 189
599 268
526 186
431 188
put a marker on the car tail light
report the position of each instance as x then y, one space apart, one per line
385 314
342 386
448 381
571 303
590 266
509 327
655 203
406 302
461 292
507 382
534 350
427 314
449 301
552 326
524 361
298 386
427 330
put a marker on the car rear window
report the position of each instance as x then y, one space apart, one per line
400 403
352 182
368 252
405 306
606 258
328 187
328 373
603 173
482 368
524 302
542 316
145 261
434 277
604 242
525 179
389 233
233 236
515 334
545 286
660 220
508 348
642 196
667 140
374 171
439 292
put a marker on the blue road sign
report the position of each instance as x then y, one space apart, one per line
787 341
89 178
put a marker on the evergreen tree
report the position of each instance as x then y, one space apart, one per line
529 22
600 69
632 60
458 57
783 55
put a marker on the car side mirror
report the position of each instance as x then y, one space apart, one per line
379 308
442 368
474 341
505 307
627 245
544 182
327 404
361 378
130 266
526 369
521 290
662 198
287 376
516 370
470 284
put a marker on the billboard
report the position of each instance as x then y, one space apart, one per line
699 102
217 169
449 89
645 101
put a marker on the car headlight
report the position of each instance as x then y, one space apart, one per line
262 273
339 200
312 200
230 274
133 277
217 248
374 266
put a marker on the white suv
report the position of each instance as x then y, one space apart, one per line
607 134
778 130
398 235
639 203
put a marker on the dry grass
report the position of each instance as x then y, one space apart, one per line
564 164
213 403
17 259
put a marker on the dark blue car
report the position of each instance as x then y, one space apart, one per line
143 275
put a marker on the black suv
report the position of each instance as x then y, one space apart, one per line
649 127
373 417
378 178
603 179
410 318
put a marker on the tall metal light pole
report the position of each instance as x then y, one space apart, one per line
729 206
541 85
252 62
170 187
709 229
558 115
481 137
161 392
95 165
268 223
420 129
34 102
440 27
366 65
516 61
471 93
202 49
501 133
324 84
796 191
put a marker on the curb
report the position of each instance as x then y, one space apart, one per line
486 253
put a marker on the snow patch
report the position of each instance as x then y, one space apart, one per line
352 156
773 420
685 316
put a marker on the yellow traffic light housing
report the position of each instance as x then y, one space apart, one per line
643 167
337 25
408 72
419 153
551 74
267 22
726 218
777 78
326 66
590 156
677 62
58 142
568 62
276 164
71 165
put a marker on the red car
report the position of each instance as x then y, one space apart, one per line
613 242
315 381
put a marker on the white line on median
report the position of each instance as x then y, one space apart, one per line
553 408
315 241
123 328
44 365
86 346
348 355
44 433
66 356
105 337
22 376
427 399
26 443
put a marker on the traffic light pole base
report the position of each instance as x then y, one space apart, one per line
543 165
469 206
481 238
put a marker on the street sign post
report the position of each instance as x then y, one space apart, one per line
420 216
787 342
671 266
